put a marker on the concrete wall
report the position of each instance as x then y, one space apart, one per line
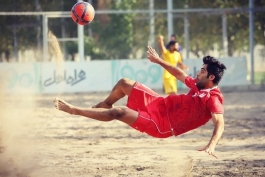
102 75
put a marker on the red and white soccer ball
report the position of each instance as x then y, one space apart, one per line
82 13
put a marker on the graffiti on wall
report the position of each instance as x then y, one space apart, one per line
71 80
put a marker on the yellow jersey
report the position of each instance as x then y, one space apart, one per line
173 58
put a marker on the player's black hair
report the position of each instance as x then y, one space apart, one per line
171 43
173 35
214 67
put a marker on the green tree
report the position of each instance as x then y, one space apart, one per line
116 37
206 29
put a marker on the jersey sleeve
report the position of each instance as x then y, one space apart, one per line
215 106
179 58
165 52
190 82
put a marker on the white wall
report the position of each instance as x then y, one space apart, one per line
102 75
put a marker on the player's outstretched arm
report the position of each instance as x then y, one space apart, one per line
218 121
182 66
175 71
161 43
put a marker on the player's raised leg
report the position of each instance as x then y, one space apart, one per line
123 114
123 87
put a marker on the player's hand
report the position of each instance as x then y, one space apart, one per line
152 55
160 38
186 68
209 149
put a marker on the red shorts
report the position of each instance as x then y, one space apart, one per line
152 111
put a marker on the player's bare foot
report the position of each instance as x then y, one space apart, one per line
103 105
63 106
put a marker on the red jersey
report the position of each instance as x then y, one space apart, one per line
189 111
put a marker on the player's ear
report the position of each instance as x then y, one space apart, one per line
211 77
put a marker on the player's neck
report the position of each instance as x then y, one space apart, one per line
210 86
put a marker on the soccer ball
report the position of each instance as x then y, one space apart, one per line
82 13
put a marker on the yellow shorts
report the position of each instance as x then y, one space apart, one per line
170 85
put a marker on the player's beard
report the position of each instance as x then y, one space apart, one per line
200 85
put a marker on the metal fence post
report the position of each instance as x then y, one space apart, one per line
45 37
169 18
186 33
80 34
251 40
152 23
224 31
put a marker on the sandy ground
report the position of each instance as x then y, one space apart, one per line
39 141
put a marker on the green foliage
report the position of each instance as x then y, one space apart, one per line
206 29
71 48
116 37
90 48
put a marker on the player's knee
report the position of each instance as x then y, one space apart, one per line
116 113
124 82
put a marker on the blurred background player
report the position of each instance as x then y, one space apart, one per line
173 38
173 57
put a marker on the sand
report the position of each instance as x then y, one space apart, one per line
39 141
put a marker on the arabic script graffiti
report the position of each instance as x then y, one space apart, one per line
70 80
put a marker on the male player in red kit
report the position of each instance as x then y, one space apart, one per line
162 117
